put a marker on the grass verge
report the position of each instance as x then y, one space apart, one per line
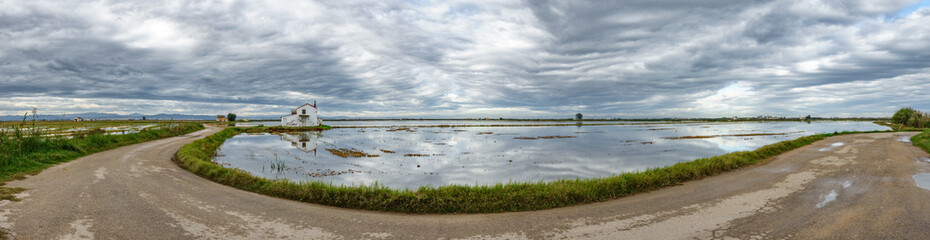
922 140
28 152
197 157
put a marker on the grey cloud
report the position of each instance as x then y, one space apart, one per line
396 58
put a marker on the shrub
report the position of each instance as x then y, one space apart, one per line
902 115
908 117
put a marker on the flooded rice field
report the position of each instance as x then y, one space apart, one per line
67 130
409 123
410 157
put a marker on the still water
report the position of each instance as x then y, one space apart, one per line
410 157
401 123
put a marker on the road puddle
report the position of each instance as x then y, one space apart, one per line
831 147
830 197
827 199
923 180
907 140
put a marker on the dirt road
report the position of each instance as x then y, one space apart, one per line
852 186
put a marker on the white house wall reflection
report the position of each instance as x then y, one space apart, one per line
305 141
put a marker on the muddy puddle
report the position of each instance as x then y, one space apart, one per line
923 180
831 147
410 157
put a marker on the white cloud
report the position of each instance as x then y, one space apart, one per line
734 99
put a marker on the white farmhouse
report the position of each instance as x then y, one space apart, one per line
303 116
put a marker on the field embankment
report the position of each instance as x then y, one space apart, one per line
197 157
24 149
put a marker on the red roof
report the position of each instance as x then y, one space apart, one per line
307 104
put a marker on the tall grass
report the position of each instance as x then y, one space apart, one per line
922 140
24 149
197 157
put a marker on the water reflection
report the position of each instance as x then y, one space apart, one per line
413 157
304 141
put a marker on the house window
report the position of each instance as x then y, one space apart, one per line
304 111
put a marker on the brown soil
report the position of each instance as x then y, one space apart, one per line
401 129
543 137
345 153
551 137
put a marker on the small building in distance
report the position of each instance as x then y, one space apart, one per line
303 116
78 119
578 116
221 118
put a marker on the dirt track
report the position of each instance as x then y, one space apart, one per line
136 192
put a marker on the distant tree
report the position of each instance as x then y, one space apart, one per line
143 118
231 117
903 115
578 116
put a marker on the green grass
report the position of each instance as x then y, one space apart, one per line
24 150
282 129
922 140
197 157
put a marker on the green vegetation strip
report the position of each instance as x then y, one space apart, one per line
922 140
24 151
197 157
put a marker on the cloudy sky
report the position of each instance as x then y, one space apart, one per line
382 58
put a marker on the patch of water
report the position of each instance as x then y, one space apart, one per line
410 123
922 159
907 140
923 180
831 147
410 157
827 199
847 184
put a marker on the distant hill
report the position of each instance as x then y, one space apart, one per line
110 116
